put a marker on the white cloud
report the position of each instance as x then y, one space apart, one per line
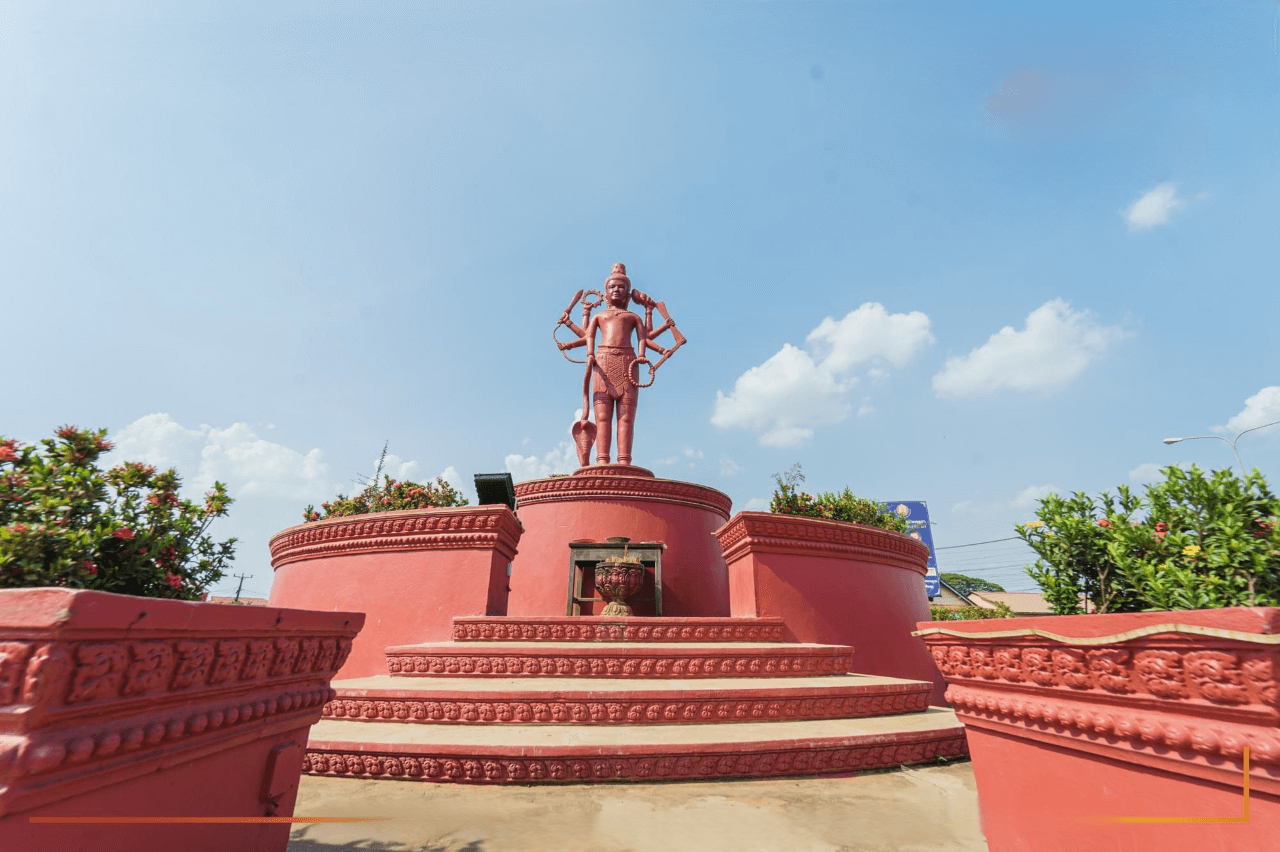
877 375
756 504
395 467
458 481
962 506
728 467
1054 347
1153 208
1261 408
796 390
235 455
668 461
1150 472
869 333
866 408
691 453
562 459
1030 496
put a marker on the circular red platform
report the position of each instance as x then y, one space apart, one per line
602 501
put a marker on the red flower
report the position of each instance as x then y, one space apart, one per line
7 453
153 500
174 581
1162 527
123 532
68 432
19 529
1103 522
89 568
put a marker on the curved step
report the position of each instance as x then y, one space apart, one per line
632 659
572 701
595 628
526 754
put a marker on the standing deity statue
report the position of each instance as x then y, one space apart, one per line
613 365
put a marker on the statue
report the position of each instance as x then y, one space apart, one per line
613 366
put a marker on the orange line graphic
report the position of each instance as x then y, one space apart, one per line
1143 820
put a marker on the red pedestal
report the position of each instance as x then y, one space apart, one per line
1075 721
411 572
125 707
602 501
834 583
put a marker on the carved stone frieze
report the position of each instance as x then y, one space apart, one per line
525 769
473 710
569 629
587 663
765 532
1183 672
453 528
586 485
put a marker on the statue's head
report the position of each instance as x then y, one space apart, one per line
617 287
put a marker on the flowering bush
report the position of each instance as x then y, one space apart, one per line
789 500
1194 541
969 613
65 522
388 497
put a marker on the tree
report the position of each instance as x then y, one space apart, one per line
964 584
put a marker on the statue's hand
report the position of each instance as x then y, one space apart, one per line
642 299
564 318
591 360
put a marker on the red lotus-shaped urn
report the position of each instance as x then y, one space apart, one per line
618 579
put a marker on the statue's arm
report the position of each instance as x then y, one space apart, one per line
589 338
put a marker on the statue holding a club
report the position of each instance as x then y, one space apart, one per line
613 366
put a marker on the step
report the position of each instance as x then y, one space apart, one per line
595 628
525 754
620 659
602 701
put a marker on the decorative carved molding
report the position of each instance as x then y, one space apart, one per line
587 485
44 681
623 662
510 629
466 527
636 765
1175 742
622 711
1190 674
765 532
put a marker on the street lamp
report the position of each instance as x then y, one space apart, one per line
1231 443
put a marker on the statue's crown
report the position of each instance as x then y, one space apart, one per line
619 271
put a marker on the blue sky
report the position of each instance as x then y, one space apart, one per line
960 253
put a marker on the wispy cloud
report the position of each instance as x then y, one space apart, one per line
1153 208
1053 347
562 459
1030 496
796 390
249 465
1262 407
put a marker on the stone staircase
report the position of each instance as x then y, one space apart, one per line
588 699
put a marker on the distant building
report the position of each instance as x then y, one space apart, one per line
1022 603
225 599
947 596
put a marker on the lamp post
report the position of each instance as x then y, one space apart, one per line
1231 443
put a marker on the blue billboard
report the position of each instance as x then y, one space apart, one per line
917 514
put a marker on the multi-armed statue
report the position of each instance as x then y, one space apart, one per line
613 365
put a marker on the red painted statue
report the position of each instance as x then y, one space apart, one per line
612 365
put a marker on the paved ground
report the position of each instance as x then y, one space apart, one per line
929 809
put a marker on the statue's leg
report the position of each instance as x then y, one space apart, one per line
626 424
604 426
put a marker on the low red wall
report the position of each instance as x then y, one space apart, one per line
411 572
617 500
834 583
120 707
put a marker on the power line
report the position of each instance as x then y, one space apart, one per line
976 543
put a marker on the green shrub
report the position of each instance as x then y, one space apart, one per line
842 506
1194 541
970 613
964 584
389 497
65 522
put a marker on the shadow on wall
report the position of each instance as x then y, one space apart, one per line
299 842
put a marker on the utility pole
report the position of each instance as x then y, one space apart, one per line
242 577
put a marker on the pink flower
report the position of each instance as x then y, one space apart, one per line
174 581
123 532
89 568
1103 522
7 453
19 529
67 432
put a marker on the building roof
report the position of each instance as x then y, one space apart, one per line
1023 603
230 599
